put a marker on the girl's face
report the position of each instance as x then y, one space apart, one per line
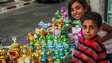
77 10
89 29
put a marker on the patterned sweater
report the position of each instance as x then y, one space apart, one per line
92 51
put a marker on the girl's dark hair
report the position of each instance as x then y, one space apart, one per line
82 2
94 16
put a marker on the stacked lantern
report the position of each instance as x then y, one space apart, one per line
4 58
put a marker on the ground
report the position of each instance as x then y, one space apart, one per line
23 20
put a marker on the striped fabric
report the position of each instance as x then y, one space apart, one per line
92 51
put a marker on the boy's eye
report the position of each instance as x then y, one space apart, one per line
91 27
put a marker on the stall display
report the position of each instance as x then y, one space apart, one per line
50 43
55 41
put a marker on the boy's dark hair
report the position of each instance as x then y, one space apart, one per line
94 16
82 2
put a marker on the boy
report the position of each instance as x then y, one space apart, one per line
89 49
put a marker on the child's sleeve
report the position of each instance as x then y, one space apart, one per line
101 52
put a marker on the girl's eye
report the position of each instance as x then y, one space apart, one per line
78 7
72 9
75 8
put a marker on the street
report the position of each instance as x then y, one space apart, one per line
23 20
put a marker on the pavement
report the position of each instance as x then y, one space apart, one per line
19 22
12 5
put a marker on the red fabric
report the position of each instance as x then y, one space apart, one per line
105 61
102 54
88 49
74 61
89 52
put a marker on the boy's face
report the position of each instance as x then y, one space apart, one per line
89 29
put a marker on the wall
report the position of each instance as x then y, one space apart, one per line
98 6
